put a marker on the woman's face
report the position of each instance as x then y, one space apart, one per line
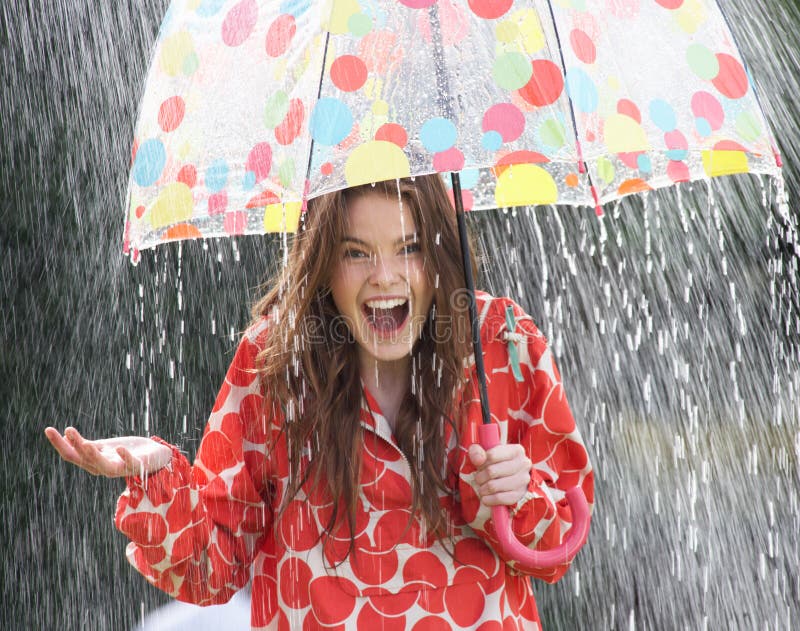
378 282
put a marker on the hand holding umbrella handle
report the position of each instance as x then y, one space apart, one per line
538 559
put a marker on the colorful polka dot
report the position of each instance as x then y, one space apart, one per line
149 163
438 134
348 73
331 121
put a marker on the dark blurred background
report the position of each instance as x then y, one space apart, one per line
697 521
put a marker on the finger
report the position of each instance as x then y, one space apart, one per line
91 457
503 469
499 453
477 455
61 445
509 498
514 483
131 464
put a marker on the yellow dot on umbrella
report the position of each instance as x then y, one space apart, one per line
376 161
531 30
725 162
339 12
524 185
173 205
691 15
571 180
174 50
613 82
193 4
380 107
282 217
506 31
622 134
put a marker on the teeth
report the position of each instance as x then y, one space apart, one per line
386 304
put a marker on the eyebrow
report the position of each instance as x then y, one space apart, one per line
404 239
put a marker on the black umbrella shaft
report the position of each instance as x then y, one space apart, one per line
469 283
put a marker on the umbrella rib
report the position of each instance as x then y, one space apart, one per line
307 183
582 166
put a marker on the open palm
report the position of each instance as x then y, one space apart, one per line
110 457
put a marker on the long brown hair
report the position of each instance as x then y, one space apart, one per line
312 369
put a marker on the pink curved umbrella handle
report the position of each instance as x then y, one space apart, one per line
538 559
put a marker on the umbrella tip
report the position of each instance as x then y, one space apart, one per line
598 210
778 159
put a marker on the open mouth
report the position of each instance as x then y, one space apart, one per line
386 316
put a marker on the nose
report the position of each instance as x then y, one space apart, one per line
386 271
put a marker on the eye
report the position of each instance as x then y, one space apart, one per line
412 248
352 253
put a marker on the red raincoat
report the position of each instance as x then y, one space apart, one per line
202 532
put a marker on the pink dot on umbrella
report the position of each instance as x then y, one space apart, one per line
188 175
467 198
217 203
490 9
450 160
545 85
628 108
235 222
348 73
730 145
677 171
326 168
670 4
706 105
171 112
583 46
731 80
289 129
139 211
259 161
392 132
418 4
239 22
506 119
280 35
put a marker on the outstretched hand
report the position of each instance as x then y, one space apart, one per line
110 457
503 473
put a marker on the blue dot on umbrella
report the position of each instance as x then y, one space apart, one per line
662 114
295 8
217 175
702 126
469 177
643 162
676 154
331 122
492 140
208 8
438 134
582 90
249 180
149 162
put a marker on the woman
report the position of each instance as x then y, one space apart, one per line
339 469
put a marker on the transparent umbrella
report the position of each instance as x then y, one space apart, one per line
252 108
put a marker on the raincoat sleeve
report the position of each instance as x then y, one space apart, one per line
533 412
194 530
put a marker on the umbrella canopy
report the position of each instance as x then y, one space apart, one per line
251 108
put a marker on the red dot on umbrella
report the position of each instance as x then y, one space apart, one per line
545 85
139 212
490 9
677 171
348 73
280 35
326 168
628 108
731 80
171 112
583 46
289 129
450 160
392 132
188 175
670 4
